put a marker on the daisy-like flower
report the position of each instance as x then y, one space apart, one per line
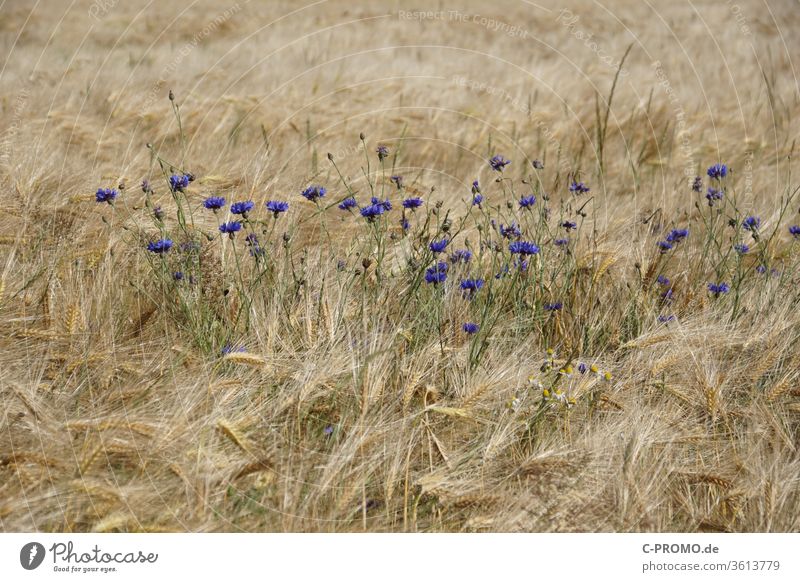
498 163
106 195
160 247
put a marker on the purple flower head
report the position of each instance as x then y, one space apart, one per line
697 184
718 288
751 223
667 295
510 231
461 256
160 247
527 201
179 183
470 287
373 211
677 235
568 225
561 242
498 163
717 171
242 207
158 214
582 368
471 328
105 195
557 306
177 275
230 227
276 207
404 223
412 203
794 231
664 246
666 318
386 204
348 203
383 152
713 195
761 269
578 188
438 246
742 249
214 203
314 193
523 248
477 200
436 274
230 349
662 280
476 187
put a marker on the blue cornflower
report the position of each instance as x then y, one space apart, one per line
676 235
178 276
568 225
412 203
348 203
461 256
328 430
436 274
662 280
314 193
718 171
510 231
230 227
242 207
664 246
160 246
106 195
742 249
438 246
713 195
537 164
179 183
397 181
383 152
229 349
477 200
158 213
761 269
582 368
214 203
667 295
190 246
527 201
557 306
561 242
498 163
276 207
578 188
718 288
751 223
666 318
476 187
697 184
471 286
386 204
794 231
404 223
521 247
372 211
471 328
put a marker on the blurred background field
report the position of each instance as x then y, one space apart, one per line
359 402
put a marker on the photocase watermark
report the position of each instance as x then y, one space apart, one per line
741 20
100 8
68 559
680 122
169 71
517 104
20 102
457 16
747 172
570 21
